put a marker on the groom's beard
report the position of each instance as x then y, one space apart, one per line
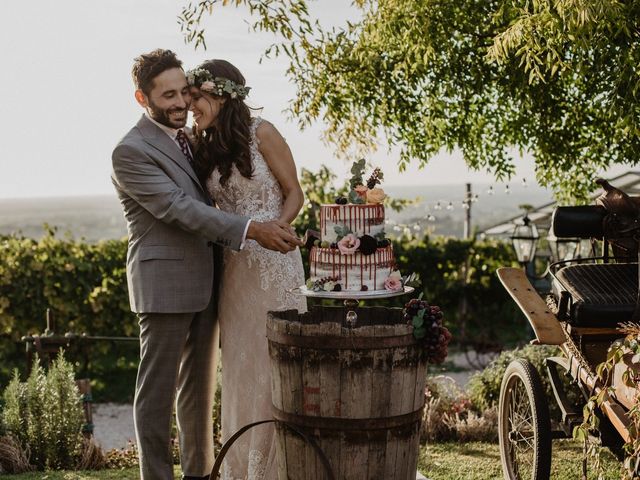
164 116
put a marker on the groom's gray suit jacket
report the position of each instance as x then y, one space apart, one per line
172 227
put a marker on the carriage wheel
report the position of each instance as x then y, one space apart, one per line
524 427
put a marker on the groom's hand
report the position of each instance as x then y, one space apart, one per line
275 235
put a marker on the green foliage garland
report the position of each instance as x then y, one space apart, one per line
624 354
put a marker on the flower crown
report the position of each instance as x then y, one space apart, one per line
201 78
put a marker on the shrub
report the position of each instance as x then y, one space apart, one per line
448 415
484 386
459 276
85 286
45 415
92 457
13 457
474 427
122 458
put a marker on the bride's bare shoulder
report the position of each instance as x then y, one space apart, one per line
267 132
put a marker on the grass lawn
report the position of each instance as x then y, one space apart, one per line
128 474
440 461
481 461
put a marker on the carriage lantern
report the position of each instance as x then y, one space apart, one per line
525 240
563 248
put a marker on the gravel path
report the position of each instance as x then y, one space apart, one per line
113 425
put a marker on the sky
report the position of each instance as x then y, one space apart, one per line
66 93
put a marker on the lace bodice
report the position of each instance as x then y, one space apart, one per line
259 197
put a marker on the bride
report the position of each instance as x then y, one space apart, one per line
248 169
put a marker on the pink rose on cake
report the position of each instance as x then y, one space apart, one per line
393 281
348 244
375 195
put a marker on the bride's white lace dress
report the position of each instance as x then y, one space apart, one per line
255 280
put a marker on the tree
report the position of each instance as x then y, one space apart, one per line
555 78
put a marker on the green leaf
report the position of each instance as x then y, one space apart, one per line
419 333
355 198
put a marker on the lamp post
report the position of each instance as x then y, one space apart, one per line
525 240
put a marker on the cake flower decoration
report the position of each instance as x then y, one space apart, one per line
368 245
375 195
393 281
348 244
329 286
365 191
362 191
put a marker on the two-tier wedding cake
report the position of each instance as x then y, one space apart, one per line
352 252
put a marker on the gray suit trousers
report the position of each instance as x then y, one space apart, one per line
178 355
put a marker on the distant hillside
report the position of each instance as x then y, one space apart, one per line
94 218
100 217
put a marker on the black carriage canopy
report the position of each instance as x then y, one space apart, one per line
600 294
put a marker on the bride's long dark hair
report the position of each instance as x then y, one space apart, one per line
228 142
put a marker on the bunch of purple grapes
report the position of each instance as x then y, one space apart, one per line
428 329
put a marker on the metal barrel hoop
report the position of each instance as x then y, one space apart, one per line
215 472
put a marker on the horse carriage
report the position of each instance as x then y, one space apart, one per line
590 297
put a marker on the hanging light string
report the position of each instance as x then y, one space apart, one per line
426 222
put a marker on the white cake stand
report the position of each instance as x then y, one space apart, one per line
351 298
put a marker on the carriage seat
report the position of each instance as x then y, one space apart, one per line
601 295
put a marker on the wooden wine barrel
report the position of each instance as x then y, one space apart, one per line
358 392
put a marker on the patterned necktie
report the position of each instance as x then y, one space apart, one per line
184 145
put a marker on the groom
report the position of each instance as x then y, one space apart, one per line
170 270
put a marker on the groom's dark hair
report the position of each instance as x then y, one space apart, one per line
148 66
